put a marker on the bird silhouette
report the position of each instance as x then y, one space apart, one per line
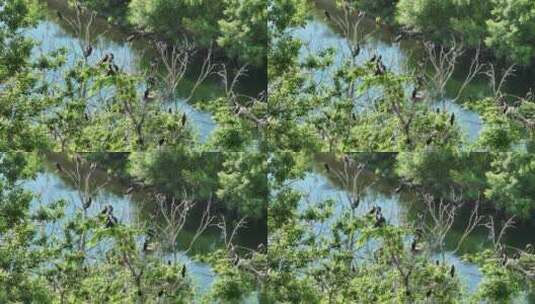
452 271
327 168
59 167
184 119
88 51
60 15
327 15
87 203
452 119
183 272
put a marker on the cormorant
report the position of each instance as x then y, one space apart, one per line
452 271
170 111
183 273
452 119
184 119
327 168
112 221
87 203
146 95
161 142
104 59
379 220
356 203
86 116
88 51
59 167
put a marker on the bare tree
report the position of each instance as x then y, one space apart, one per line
175 215
443 61
442 215
243 106
86 185
176 60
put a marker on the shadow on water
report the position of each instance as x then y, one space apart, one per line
138 209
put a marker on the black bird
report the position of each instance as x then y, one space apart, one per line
184 119
429 141
236 260
87 203
104 59
353 116
86 116
88 51
374 58
183 273
356 203
59 167
327 15
437 262
437 110
112 221
108 209
161 142
170 111
379 220
452 119
169 262
327 168
112 69
145 245
357 51
417 95
60 15
146 95
452 271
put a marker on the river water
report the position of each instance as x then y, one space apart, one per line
403 208
134 57
49 186
320 34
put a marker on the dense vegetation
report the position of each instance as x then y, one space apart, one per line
238 27
504 26
51 254
320 251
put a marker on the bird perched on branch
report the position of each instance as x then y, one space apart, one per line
88 51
